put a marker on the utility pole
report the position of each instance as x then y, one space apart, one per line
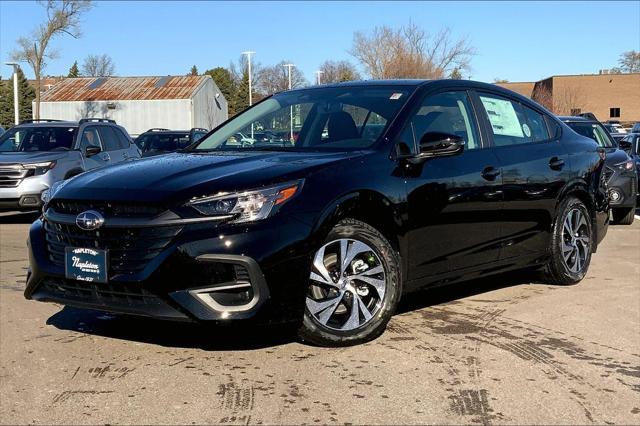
16 107
288 66
249 53
318 77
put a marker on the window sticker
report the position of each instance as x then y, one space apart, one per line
502 117
526 130
395 96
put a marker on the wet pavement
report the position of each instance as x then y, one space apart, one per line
500 350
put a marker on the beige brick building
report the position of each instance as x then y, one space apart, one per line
608 96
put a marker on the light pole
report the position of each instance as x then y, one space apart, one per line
288 66
318 77
249 53
16 107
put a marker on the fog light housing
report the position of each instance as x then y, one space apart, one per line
615 195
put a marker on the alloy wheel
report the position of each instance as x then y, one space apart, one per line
347 285
576 240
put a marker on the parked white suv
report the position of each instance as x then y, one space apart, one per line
37 153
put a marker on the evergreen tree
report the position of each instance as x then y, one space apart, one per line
194 70
74 71
242 94
26 95
223 79
456 74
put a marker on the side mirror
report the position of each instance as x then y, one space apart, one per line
433 144
92 150
625 146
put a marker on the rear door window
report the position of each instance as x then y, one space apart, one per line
513 123
109 138
124 141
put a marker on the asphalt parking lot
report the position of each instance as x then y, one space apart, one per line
502 350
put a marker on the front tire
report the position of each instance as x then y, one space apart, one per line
354 287
571 244
623 216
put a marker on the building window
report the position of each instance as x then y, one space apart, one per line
576 111
614 112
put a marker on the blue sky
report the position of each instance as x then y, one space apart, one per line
516 41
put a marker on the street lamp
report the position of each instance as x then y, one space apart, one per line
16 107
318 77
288 66
249 53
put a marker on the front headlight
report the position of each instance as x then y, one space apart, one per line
48 194
248 206
40 168
625 165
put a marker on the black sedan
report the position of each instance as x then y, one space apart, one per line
388 187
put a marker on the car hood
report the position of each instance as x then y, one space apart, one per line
615 156
180 176
30 157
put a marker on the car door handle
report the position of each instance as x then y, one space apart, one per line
105 157
490 173
556 163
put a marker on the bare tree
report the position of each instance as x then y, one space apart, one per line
63 17
567 99
276 78
630 61
410 52
98 66
338 71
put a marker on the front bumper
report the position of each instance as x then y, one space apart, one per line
623 189
205 273
26 195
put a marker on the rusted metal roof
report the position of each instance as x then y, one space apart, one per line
124 88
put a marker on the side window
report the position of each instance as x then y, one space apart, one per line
109 138
448 112
513 123
536 125
89 137
124 141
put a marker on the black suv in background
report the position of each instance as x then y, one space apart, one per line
161 141
620 170
388 187
631 145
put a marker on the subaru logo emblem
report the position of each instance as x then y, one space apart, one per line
89 220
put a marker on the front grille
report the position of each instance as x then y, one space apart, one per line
129 249
11 175
111 294
608 174
106 208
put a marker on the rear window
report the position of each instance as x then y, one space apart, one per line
38 138
593 131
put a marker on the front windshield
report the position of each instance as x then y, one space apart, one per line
593 131
40 138
332 118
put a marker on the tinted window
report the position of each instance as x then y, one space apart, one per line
109 138
513 123
448 112
89 138
37 138
593 131
536 125
124 141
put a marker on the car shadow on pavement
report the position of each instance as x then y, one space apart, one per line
246 337
18 218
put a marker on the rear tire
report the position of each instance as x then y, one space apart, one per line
354 287
571 244
623 216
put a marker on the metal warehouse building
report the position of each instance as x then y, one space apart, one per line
138 103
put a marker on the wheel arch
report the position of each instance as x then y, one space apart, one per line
580 189
73 172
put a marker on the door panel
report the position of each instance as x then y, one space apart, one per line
454 214
453 202
535 168
113 149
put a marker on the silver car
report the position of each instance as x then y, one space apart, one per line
37 153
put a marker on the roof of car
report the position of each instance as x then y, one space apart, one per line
49 124
569 118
